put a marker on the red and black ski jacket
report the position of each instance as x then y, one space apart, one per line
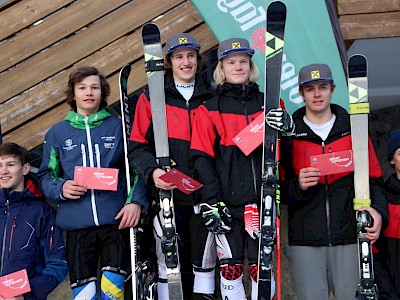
180 115
227 173
323 215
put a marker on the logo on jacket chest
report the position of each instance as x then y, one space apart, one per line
108 141
69 145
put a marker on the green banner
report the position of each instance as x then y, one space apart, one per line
309 38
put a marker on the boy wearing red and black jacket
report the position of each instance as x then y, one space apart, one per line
185 90
387 263
322 223
31 239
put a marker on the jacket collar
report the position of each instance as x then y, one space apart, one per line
93 120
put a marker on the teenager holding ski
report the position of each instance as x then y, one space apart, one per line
93 219
232 180
28 229
185 90
322 222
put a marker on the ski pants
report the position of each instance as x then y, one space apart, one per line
196 246
317 271
85 248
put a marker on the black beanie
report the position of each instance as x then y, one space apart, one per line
394 143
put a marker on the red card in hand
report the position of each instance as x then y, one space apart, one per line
251 136
185 183
97 178
14 284
333 163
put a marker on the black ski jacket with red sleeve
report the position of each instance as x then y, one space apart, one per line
227 173
323 215
180 115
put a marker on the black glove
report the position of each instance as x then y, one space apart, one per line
279 119
216 217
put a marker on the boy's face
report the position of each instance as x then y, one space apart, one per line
12 173
184 64
396 161
88 95
317 96
237 68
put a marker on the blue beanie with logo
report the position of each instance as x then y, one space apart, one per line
394 143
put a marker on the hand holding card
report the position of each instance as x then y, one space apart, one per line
184 183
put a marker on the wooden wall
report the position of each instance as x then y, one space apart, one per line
41 41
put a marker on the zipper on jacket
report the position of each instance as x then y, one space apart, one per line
13 225
91 164
4 236
327 206
253 167
190 123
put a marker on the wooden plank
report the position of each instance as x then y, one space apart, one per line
80 45
367 6
27 12
31 135
125 50
53 29
367 26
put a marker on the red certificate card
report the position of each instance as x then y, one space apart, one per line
251 136
14 284
97 178
333 163
185 183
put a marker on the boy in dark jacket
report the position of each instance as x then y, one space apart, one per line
30 238
322 222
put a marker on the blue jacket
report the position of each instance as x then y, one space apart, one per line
92 141
30 240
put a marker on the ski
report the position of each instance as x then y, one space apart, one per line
143 281
155 73
126 125
359 110
270 194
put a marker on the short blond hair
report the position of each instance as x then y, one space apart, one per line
219 74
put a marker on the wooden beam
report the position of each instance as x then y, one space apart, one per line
346 7
109 59
367 26
25 13
54 29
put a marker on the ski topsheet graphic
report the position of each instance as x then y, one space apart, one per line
270 194
359 110
155 73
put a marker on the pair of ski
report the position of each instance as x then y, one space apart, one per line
141 284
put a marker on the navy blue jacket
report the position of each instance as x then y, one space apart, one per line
31 241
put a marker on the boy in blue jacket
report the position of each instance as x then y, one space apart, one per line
90 137
30 238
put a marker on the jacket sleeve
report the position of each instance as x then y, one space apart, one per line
52 249
377 194
202 154
291 193
141 143
50 171
138 192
